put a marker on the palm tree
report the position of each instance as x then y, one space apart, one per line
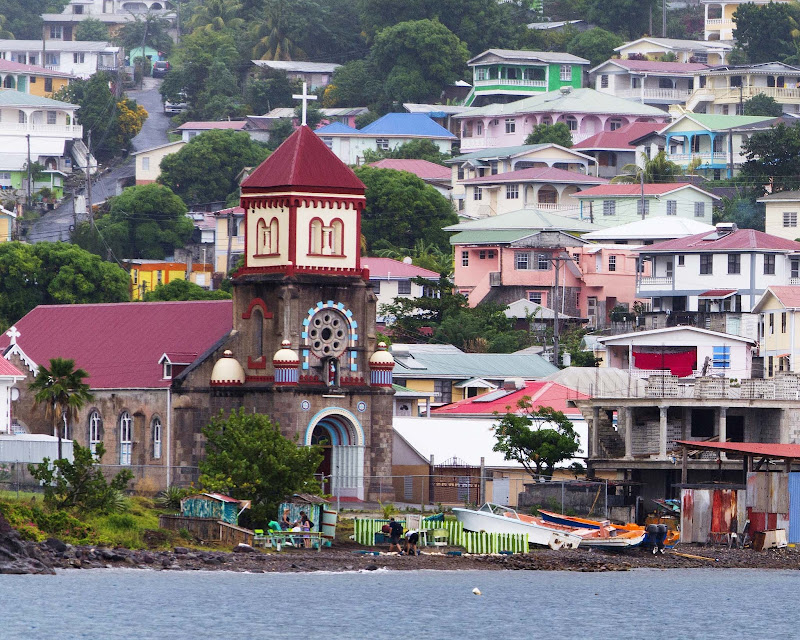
62 391
4 32
217 15
659 168
272 34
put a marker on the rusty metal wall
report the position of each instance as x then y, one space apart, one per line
707 510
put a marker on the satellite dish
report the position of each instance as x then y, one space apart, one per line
14 394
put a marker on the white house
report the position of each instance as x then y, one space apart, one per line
316 74
647 81
782 211
681 351
148 161
650 230
682 50
392 279
615 204
81 59
388 132
189 130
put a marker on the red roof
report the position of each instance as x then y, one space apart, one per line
119 345
8 65
662 67
789 296
770 450
541 393
9 370
222 124
652 189
237 211
718 293
540 174
621 138
421 168
385 267
741 239
304 160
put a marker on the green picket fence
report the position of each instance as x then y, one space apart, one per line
482 542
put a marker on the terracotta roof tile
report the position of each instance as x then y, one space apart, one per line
741 239
8 370
621 138
383 267
550 394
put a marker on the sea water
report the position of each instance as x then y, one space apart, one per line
119 603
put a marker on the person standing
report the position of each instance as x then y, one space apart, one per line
395 534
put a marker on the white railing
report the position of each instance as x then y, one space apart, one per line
580 137
794 280
654 94
511 83
71 130
552 206
657 280
714 22
706 156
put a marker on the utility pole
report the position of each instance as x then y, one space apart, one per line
664 19
557 261
89 210
30 190
230 239
641 180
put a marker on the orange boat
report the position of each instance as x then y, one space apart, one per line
556 518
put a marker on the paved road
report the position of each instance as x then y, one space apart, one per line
55 225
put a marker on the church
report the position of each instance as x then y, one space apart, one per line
300 346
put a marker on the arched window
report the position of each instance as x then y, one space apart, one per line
8 82
267 237
315 237
337 238
125 438
95 431
258 333
156 425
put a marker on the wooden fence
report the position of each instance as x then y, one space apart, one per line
208 529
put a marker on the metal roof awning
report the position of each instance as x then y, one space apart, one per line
476 383
767 450
717 294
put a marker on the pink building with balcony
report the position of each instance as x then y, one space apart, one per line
584 111
540 257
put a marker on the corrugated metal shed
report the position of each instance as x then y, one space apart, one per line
711 510
32 447
212 505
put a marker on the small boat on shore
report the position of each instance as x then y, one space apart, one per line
622 531
495 518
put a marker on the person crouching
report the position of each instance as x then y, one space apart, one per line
412 538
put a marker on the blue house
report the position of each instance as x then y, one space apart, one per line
388 132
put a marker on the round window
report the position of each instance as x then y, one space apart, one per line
327 333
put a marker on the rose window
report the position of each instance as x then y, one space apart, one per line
327 333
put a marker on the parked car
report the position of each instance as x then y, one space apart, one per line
176 106
160 68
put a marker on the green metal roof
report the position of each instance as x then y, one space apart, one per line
12 98
574 101
463 366
500 152
529 220
490 237
715 122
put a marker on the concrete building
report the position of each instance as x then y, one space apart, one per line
685 51
148 161
315 74
37 81
782 209
613 150
81 59
718 17
779 329
392 279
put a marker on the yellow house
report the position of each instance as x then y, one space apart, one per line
782 211
7 219
146 275
232 219
779 329
684 50
148 161
27 78
719 23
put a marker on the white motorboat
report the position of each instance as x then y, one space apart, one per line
496 518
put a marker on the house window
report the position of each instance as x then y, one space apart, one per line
609 207
770 367
51 59
479 128
721 357
125 438
56 32
460 173
642 207
145 163
612 263
477 194
51 117
790 218
672 207
328 141
48 85
382 143
535 297
771 324
376 286
576 257
542 262
511 125
512 191
493 168
794 268
404 287
572 123
699 209
734 263
769 264
480 73
465 258
159 276
681 260
78 58
167 373
521 261
22 117
706 264
156 427
614 124
604 81
566 73
95 431
783 322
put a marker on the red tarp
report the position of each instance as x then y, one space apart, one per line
679 364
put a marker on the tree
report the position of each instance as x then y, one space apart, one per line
146 221
183 290
91 29
763 105
417 59
773 156
55 273
597 45
536 438
402 209
24 19
205 170
416 149
270 89
659 168
281 129
62 391
148 29
743 210
354 84
557 133
248 458
423 254
629 18
764 32
216 15
80 484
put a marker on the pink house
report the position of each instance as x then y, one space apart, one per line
536 256
586 112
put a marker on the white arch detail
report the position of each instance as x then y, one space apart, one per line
335 411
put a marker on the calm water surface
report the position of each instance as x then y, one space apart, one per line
109 604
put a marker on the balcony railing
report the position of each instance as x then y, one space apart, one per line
655 94
67 130
705 156
794 280
718 22
552 206
510 83
656 280
733 93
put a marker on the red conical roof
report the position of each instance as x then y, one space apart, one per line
304 160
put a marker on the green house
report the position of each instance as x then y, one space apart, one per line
504 75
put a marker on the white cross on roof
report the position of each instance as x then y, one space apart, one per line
13 333
305 97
